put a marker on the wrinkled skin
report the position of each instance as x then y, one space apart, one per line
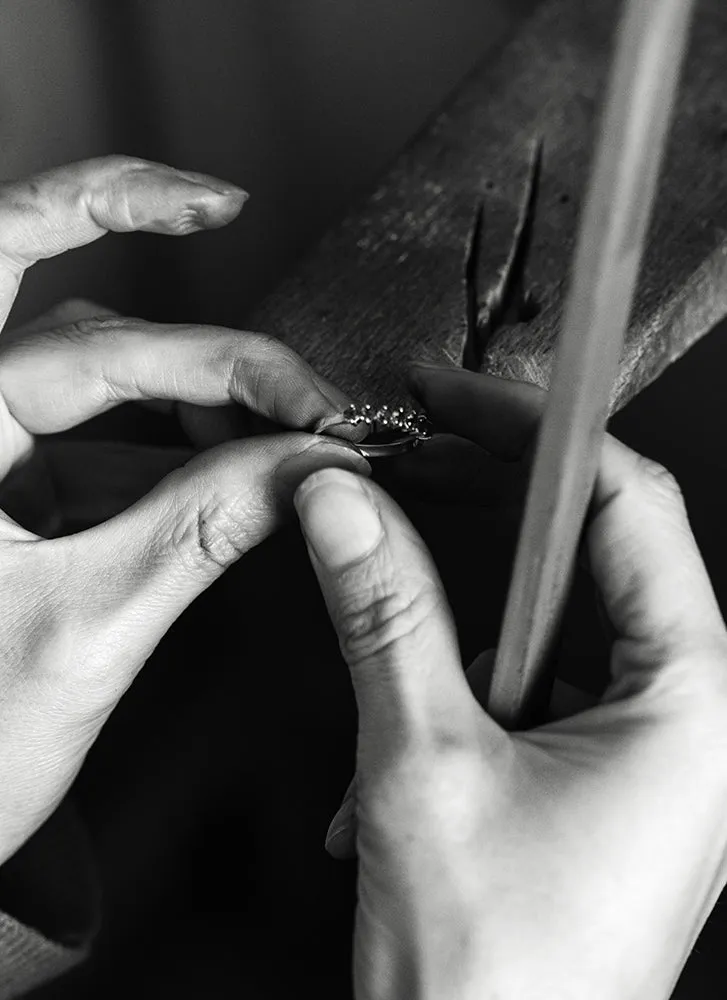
122 539
580 858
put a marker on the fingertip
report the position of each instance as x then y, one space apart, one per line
295 470
320 478
219 208
214 184
335 403
156 198
336 425
338 517
196 210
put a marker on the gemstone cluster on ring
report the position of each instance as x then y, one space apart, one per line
388 419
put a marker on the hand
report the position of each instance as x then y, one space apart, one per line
65 484
581 858
80 614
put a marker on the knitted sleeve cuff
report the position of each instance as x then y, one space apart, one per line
49 905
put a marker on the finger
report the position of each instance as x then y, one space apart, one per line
207 426
450 469
652 579
567 700
649 571
500 415
125 581
52 381
76 204
62 314
68 313
392 618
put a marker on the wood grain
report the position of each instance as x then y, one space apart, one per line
386 286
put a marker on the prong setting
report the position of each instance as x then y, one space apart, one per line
409 427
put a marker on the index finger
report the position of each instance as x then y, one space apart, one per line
52 380
648 568
70 206
644 557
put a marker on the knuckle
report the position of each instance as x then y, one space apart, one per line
74 319
265 345
107 196
79 342
260 370
78 332
381 616
99 342
90 328
211 537
262 353
658 480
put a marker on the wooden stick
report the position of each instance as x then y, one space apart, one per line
651 43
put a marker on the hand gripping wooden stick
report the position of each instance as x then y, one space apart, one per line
651 42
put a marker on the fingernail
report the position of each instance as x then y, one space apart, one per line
213 183
331 393
316 458
335 445
230 189
338 518
325 423
340 429
227 190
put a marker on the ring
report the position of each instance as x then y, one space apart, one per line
391 431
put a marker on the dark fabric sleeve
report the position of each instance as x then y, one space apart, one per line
49 905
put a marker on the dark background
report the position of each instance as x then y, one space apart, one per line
301 102
209 793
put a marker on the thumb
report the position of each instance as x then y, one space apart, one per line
132 576
392 618
341 834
